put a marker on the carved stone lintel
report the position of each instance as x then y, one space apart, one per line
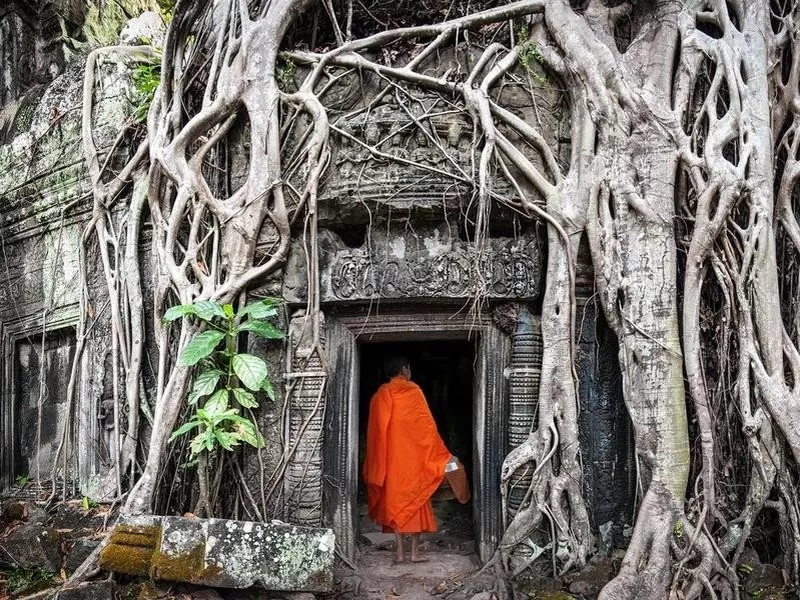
426 264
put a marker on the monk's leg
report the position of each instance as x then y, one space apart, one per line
400 555
415 557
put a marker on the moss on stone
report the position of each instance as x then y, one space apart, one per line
185 566
133 539
131 560
130 550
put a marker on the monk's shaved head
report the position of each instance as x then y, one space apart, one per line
393 366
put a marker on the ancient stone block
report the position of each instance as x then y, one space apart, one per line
10 511
77 552
223 553
147 28
90 590
766 582
32 546
72 515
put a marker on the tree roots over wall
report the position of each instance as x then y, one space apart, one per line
682 170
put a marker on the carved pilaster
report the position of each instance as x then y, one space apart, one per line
340 485
306 384
523 394
491 431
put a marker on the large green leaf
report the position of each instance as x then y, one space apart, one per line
249 434
266 330
183 429
217 404
244 398
268 388
250 370
201 346
176 312
262 309
232 414
198 442
204 384
225 439
208 309
210 439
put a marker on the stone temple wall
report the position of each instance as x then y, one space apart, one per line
32 45
398 262
45 203
397 259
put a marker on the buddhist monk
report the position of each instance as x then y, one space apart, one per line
405 460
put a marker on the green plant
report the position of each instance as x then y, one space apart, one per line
677 529
166 8
227 380
145 78
530 56
88 504
19 579
285 74
22 481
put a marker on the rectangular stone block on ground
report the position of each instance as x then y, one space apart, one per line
223 553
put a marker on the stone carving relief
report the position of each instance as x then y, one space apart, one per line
425 263
511 270
424 167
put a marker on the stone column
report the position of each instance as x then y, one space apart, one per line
305 385
523 394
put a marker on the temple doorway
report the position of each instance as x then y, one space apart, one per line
461 364
444 369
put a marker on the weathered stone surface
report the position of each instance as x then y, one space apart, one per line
90 590
147 28
33 44
10 511
43 207
766 582
32 546
77 552
72 515
424 263
593 577
223 553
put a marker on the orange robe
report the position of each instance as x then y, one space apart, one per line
405 458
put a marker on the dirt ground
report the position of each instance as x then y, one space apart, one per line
449 553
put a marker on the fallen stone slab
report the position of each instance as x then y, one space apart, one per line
77 551
90 590
31 546
222 553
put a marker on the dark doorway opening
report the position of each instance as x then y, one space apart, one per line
445 372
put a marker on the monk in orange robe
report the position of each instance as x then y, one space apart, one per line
405 459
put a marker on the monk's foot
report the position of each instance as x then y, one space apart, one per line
419 559
400 559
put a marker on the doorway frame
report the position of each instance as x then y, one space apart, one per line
345 332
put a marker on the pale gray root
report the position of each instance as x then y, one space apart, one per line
239 219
